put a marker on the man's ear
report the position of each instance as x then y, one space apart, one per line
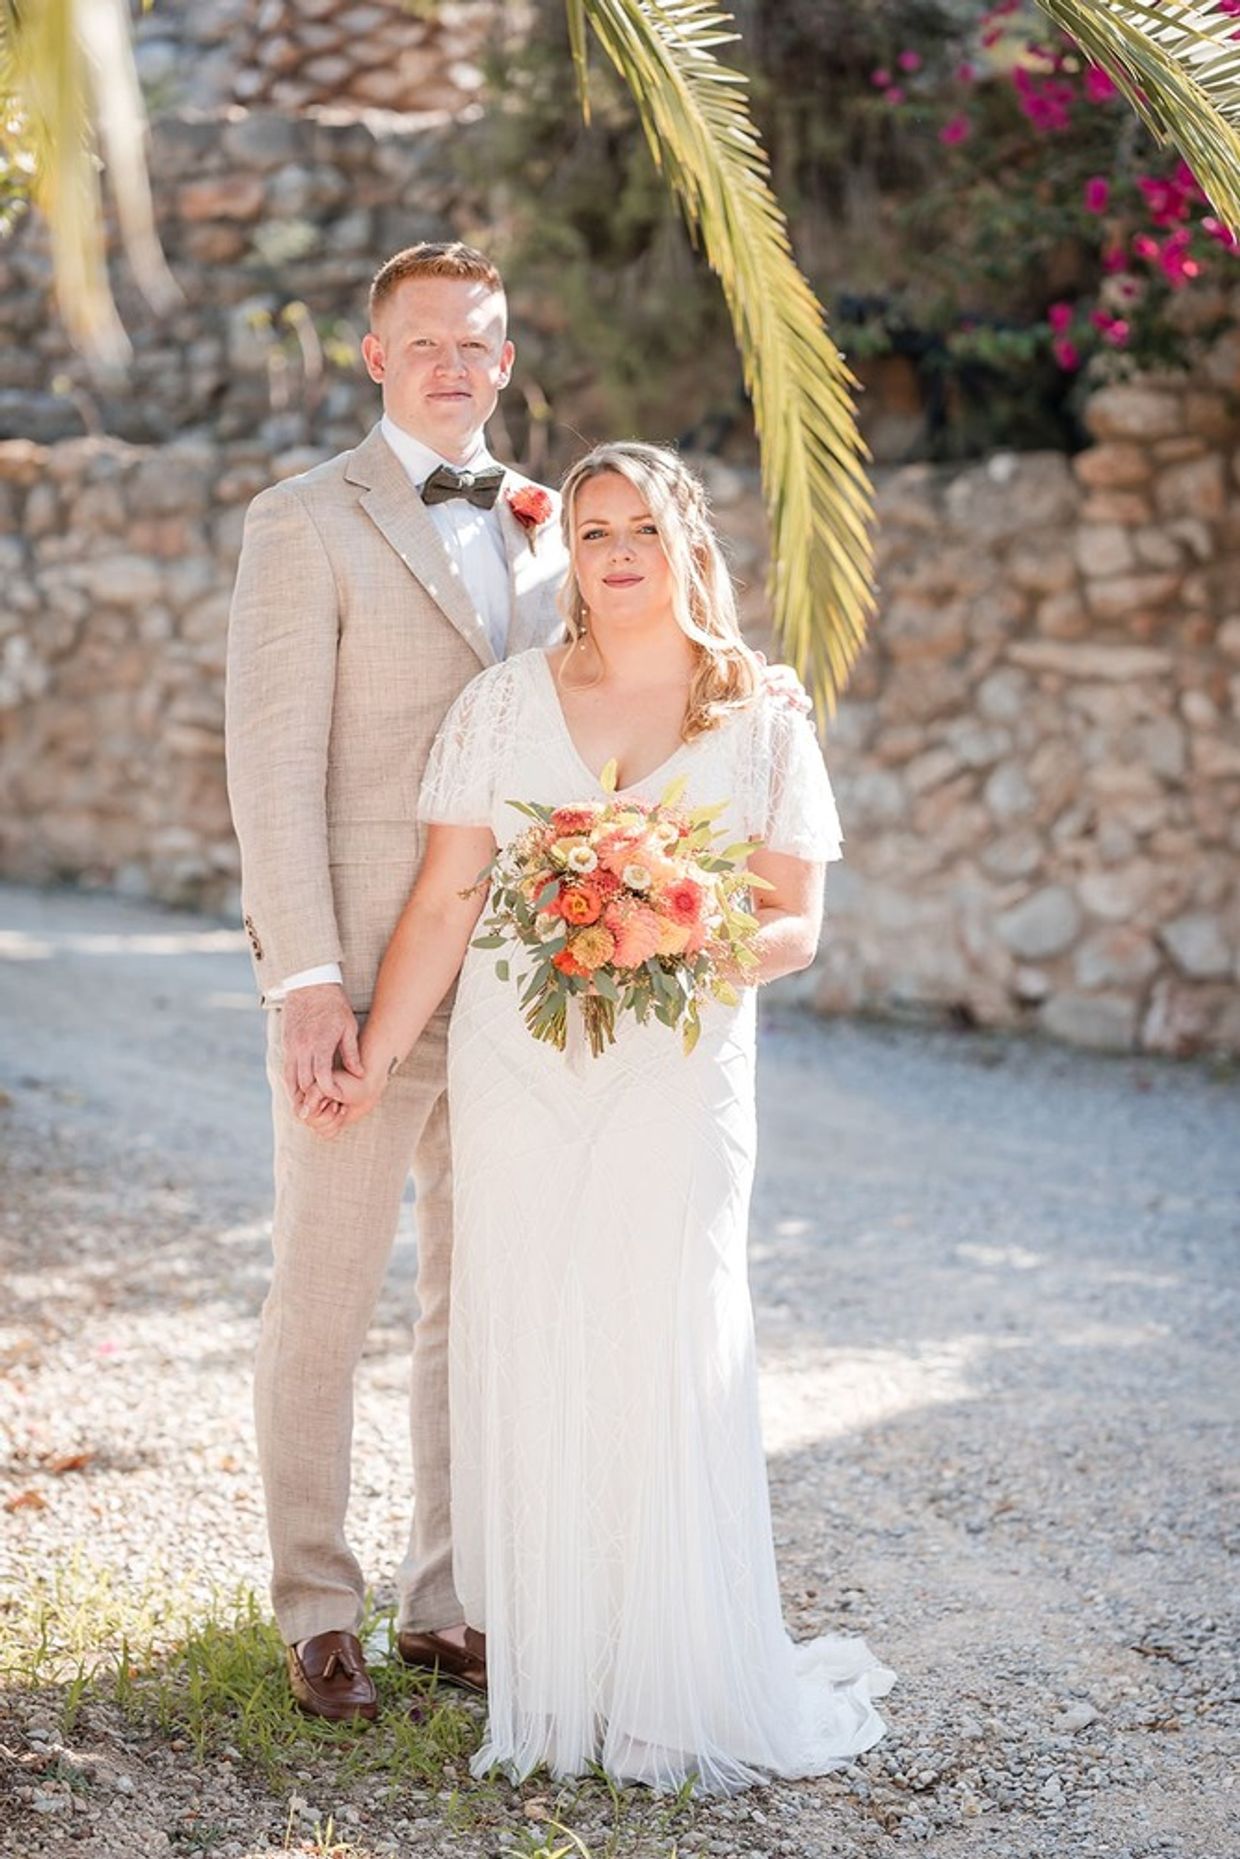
507 356
372 355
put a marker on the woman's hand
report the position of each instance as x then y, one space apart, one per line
351 1100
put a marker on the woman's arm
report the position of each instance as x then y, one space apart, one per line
789 915
419 965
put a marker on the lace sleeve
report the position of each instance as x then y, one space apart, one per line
458 788
801 815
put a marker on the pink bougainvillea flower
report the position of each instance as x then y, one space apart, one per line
1145 245
1229 6
1100 87
880 78
966 73
1215 229
1177 265
1114 258
1060 315
909 61
1167 200
1097 193
1045 103
895 94
1066 353
1113 329
956 129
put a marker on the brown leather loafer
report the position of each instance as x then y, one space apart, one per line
465 1666
329 1679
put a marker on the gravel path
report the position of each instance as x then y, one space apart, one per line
996 1297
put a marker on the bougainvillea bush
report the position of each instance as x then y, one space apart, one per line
1051 226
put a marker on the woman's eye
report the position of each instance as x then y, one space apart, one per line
592 535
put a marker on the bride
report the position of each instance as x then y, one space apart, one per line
611 1522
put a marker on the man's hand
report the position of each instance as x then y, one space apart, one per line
351 1100
319 1024
782 683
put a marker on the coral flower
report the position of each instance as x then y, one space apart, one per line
593 947
568 964
683 901
580 903
674 939
637 931
569 820
618 849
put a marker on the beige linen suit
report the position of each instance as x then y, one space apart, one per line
351 634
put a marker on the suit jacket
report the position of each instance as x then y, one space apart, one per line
351 634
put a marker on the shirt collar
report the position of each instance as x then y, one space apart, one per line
420 460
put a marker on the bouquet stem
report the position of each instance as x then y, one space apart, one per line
600 1018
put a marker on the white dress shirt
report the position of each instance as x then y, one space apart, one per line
475 542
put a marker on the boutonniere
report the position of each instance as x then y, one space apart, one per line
531 505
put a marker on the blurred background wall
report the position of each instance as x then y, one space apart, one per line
1038 761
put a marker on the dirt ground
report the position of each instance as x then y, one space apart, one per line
995 1285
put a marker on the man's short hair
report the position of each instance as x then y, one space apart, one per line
450 259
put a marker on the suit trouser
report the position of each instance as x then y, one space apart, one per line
336 1211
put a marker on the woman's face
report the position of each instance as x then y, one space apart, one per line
622 571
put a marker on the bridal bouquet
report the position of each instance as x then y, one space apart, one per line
624 907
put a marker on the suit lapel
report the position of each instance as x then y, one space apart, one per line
401 517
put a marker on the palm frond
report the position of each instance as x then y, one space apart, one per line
1178 64
695 115
66 65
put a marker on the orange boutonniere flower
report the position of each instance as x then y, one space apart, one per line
531 505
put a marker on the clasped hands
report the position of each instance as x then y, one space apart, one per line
324 1068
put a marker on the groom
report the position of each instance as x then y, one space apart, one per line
369 592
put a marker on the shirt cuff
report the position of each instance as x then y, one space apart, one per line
307 978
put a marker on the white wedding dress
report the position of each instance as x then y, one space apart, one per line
610 1512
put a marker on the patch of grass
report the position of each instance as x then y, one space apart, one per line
210 1671
204 1672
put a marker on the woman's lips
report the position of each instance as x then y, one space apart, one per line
621 580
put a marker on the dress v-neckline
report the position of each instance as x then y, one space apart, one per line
578 757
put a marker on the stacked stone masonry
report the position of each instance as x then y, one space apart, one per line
1038 763
295 55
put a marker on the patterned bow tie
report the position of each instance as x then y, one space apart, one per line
478 487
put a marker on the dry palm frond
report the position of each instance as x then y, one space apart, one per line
695 115
65 65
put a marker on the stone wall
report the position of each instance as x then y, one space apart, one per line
1039 759
296 55
273 227
1038 765
1039 762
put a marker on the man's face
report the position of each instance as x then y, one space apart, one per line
440 351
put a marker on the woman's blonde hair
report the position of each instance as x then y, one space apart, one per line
703 600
